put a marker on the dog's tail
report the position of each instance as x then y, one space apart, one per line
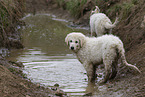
109 25
121 52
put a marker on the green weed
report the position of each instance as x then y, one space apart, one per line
126 9
135 2
114 10
75 7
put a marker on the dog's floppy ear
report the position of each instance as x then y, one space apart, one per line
82 39
80 42
66 40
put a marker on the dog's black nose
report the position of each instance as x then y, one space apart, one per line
72 48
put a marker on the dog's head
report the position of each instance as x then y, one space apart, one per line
75 40
97 10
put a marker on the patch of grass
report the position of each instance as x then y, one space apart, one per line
114 9
75 7
61 3
16 71
135 2
127 8
124 9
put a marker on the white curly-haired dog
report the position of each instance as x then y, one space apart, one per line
91 52
99 22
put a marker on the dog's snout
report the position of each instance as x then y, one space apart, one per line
72 48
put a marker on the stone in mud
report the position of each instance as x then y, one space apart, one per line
55 87
58 91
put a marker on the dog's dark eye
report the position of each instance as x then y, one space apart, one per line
76 41
70 40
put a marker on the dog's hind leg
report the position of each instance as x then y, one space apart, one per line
114 68
110 31
109 63
91 31
100 30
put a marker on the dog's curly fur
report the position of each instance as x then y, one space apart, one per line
91 52
99 22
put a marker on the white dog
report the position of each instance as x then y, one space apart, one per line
91 52
99 22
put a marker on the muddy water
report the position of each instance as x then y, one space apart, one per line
46 57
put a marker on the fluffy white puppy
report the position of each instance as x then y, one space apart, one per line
91 52
99 22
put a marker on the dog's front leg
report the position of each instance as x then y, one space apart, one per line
91 72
